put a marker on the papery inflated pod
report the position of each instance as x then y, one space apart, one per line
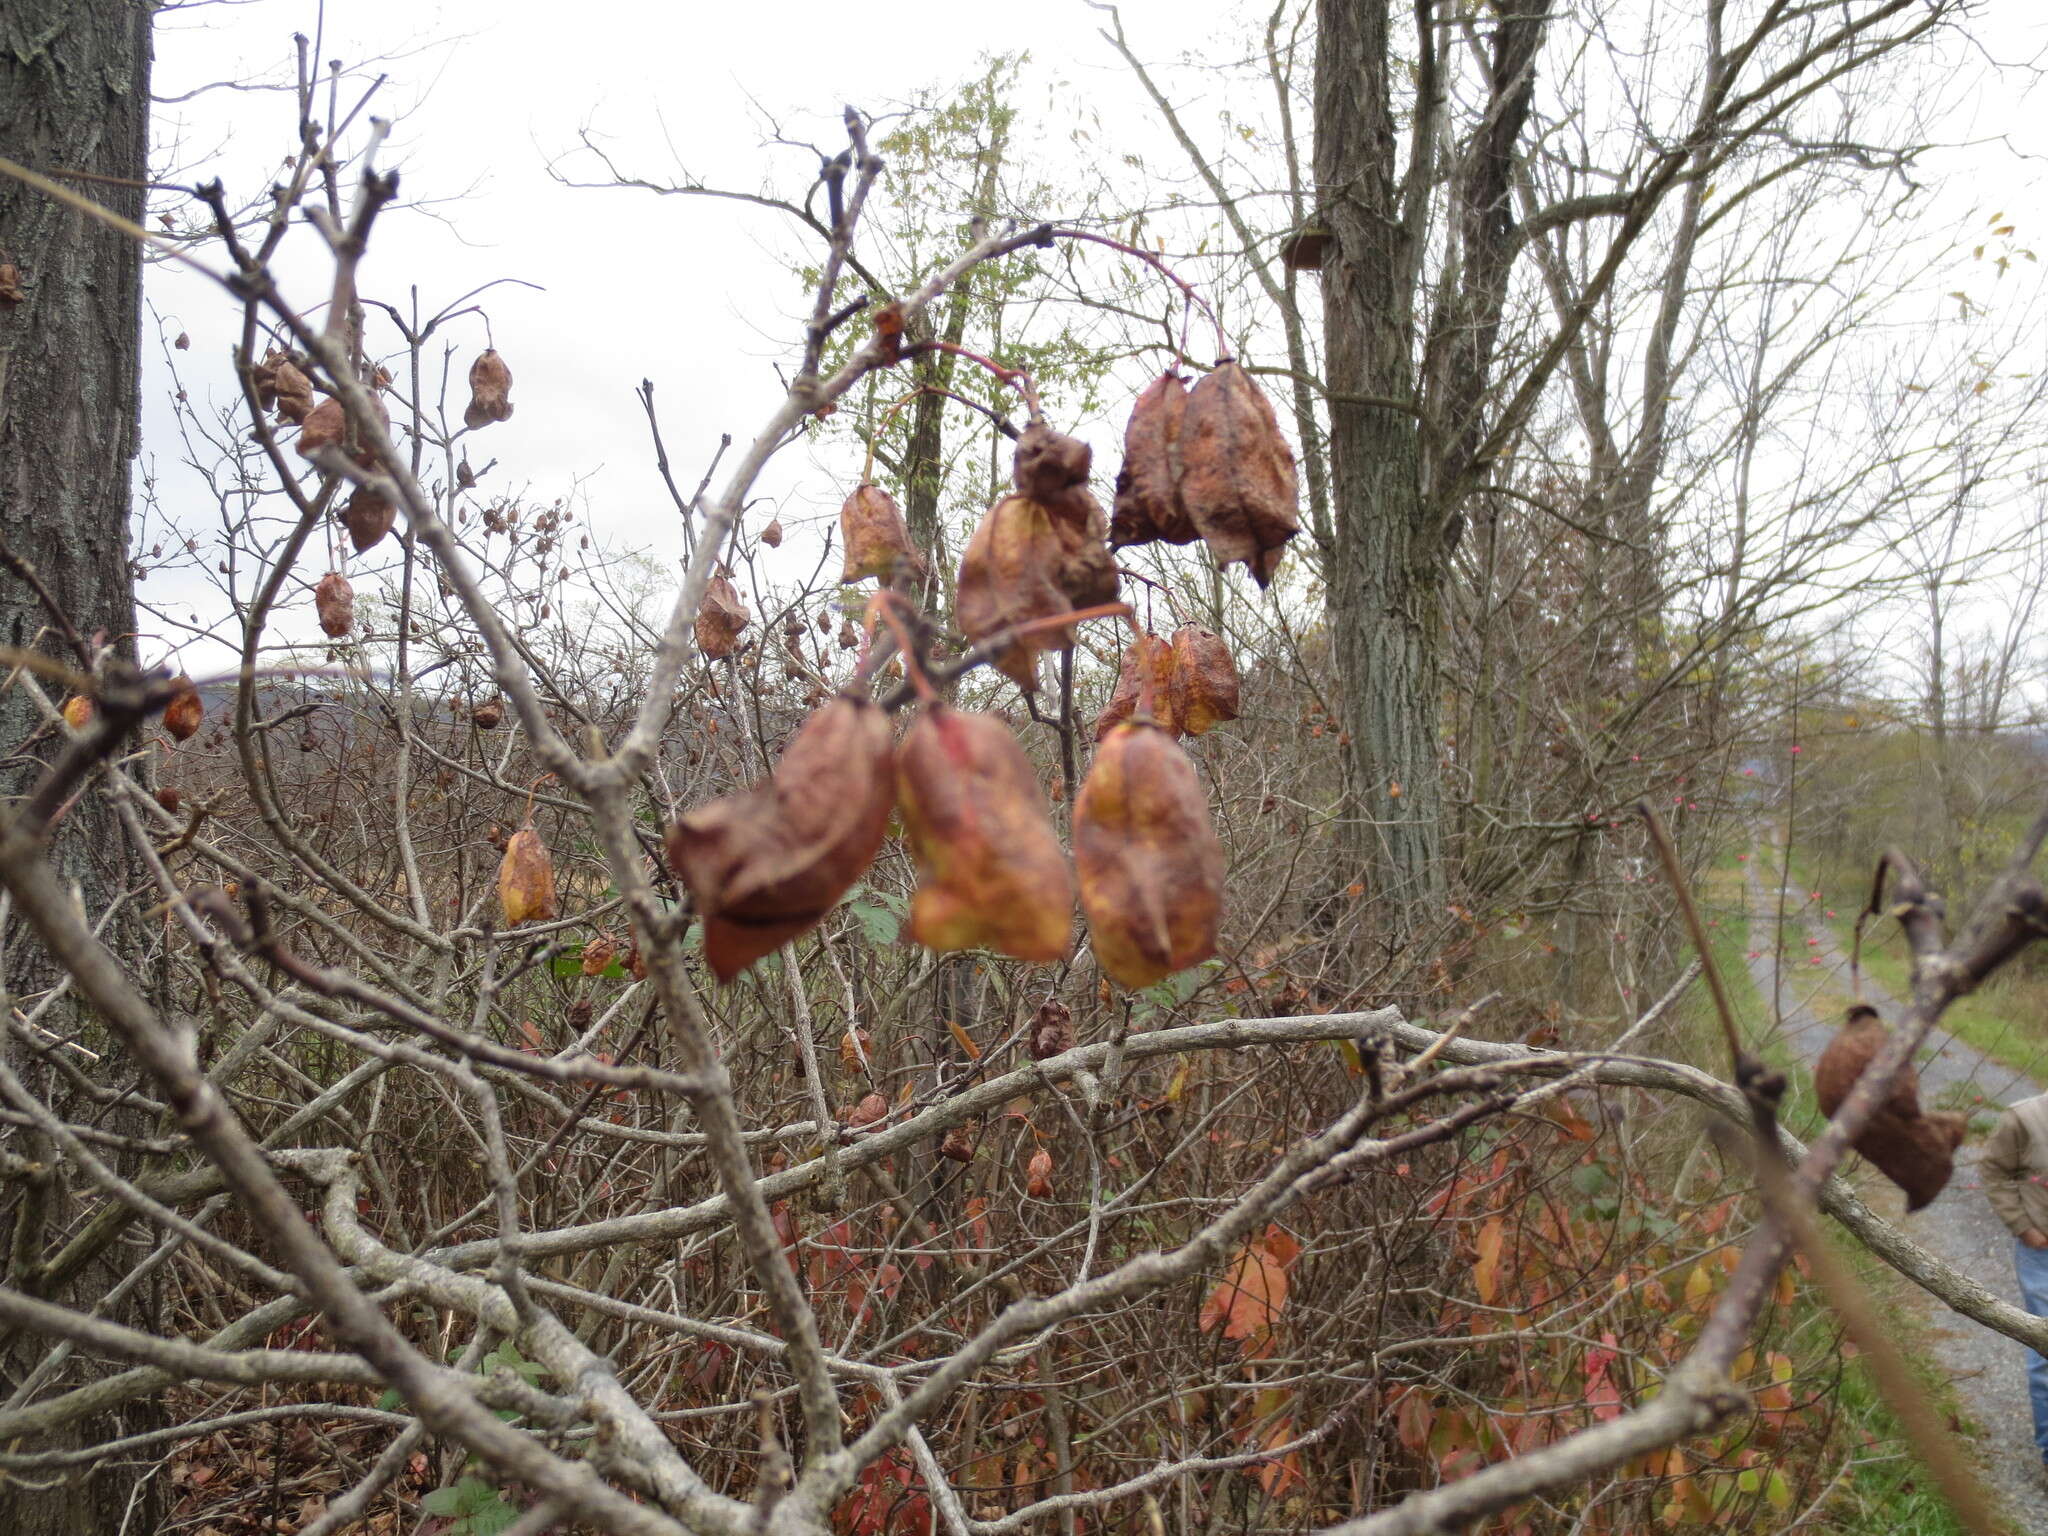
599 953
368 517
170 799
772 534
990 871
1049 467
874 536
1022 564
1202 683
765 865
292 392
186 712
263 377
720 619
488 716
526 880
1915 1150
490 390
1148 501
1052 1030
1038 1175
327 426
1237 472
849 637
78 711
465 477
1147 652
334 601
1150 865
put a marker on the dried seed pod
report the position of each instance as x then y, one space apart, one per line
327 425
291 391
78 711
526 880
186 712
599 953
1202 683
1146 652
1024 563
869 1111
877 542
990 871
767 864
636 963
1049 467
855 1047
488 716
1150 865
334 600
720 619
958 1144
1038 1175
490 390
580 1013
263 377
368 517
849 637
1148 500
1915 1151
772 534
1237 472
170 799
1052 1030
465 477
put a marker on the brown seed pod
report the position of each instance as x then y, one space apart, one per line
599 953
526 880
1150 865
1052 1030
291 391
990 871
465 477
368 517
488 716
768 863
849 637
186 712
78 711
1237 472
1049 467
1024 563
876 541
871 1110
327 426
1146 651
1915 1151
490 390
958 1144
720 619
170 799
1202 682
1148 500
334 600
772 534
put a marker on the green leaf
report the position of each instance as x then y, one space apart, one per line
878 925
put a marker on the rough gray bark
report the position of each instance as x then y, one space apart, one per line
74 97
1402 445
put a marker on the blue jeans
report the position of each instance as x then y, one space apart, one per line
2032 1264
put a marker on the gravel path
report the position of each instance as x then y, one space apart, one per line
1959 1226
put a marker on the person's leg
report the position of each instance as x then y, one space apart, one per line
2032 1264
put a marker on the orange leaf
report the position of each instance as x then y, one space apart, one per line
966 1041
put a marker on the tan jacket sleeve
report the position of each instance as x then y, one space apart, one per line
2004 1170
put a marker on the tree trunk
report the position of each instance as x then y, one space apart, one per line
74 98
1386 570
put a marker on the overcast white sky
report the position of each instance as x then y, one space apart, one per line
685 291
